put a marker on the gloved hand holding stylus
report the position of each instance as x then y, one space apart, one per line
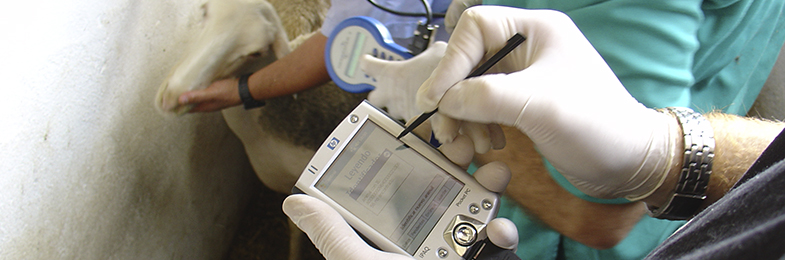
396 87
556 89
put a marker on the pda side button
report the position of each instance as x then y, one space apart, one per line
474 209
465 234
487 204
442 253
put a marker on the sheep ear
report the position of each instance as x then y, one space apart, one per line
280 44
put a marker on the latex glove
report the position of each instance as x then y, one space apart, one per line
455 10
397 85
336 240
397 81
557 89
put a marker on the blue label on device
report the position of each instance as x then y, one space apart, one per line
353 38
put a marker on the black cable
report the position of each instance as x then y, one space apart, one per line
428 15
428 12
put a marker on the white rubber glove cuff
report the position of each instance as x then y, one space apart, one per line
634 173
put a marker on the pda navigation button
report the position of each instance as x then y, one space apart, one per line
465 234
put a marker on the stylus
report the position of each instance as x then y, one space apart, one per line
513 42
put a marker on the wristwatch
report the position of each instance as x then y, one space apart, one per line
245 94
690 192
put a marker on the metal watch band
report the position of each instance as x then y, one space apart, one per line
245 94
690 192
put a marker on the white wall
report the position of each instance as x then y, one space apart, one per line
88 168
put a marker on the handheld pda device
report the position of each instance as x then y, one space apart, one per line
351 39
402 195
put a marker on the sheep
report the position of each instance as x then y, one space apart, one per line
241 36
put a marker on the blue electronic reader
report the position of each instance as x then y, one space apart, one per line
352 38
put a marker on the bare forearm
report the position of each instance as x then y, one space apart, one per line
596 225
302 69
739 142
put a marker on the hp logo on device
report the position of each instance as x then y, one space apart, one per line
333 143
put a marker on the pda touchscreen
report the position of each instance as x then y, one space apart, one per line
389 181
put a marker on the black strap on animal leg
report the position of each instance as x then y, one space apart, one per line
245 94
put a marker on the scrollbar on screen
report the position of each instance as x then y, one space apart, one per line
399 193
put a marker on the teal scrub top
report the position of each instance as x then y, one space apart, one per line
709 56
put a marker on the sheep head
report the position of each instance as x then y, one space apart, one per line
236 36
